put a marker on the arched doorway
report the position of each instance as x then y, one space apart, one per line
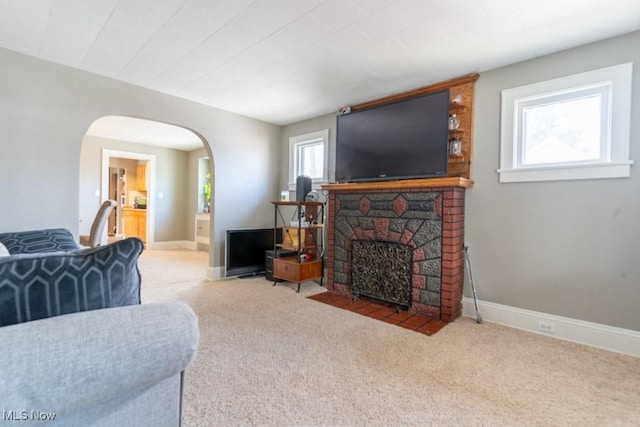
116 148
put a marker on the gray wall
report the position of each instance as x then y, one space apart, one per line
565 248
45 111
568 247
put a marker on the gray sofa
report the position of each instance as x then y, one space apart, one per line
114 367
76 344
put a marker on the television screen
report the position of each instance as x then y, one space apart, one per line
245 250
406 139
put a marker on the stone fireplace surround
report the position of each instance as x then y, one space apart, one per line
424 214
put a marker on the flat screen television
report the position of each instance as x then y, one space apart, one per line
245 250
405 139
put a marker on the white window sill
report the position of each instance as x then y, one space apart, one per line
564 172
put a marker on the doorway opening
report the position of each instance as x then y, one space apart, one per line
116 148
128 178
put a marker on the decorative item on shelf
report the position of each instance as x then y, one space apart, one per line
312 196
284 196
293 239
455 146
206 193
454 122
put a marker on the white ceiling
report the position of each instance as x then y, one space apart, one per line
145 132
283 61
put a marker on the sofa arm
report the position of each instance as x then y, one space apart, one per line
70 365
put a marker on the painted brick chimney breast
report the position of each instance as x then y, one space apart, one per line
429 220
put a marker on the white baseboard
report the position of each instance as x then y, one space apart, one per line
610 338
177 244
215 273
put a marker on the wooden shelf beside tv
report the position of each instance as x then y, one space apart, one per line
457 159
305 241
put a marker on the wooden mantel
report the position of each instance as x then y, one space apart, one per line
400 184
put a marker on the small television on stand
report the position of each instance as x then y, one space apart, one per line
245 250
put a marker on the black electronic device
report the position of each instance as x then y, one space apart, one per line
268 261
245 250
406 139
303 186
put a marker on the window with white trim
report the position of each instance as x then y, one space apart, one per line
575 127
308 155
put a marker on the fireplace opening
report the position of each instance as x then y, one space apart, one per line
381 270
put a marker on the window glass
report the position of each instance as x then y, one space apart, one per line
312 160
562 132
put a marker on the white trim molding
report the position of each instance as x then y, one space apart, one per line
606 337
611 85
215 273
295 142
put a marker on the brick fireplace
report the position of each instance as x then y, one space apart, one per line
426 215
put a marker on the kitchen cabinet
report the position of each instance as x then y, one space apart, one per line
141 177
135 223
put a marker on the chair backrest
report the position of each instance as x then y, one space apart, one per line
100 222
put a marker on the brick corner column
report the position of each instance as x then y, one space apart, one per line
452 282
331 215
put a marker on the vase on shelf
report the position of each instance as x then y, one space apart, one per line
455 147
454 122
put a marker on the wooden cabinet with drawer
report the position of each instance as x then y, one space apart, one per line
293 270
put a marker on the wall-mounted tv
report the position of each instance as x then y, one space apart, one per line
245 250
405 139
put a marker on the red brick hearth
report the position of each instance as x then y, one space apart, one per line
427 215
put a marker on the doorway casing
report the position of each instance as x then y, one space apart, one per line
151 183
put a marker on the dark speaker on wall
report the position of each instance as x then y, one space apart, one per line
303 186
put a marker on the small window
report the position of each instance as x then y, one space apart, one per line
311 157
575 127
308 155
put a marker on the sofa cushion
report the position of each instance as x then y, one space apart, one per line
41 285
36 241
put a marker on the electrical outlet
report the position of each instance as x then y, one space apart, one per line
546 326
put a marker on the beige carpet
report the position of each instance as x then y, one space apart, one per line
271 357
